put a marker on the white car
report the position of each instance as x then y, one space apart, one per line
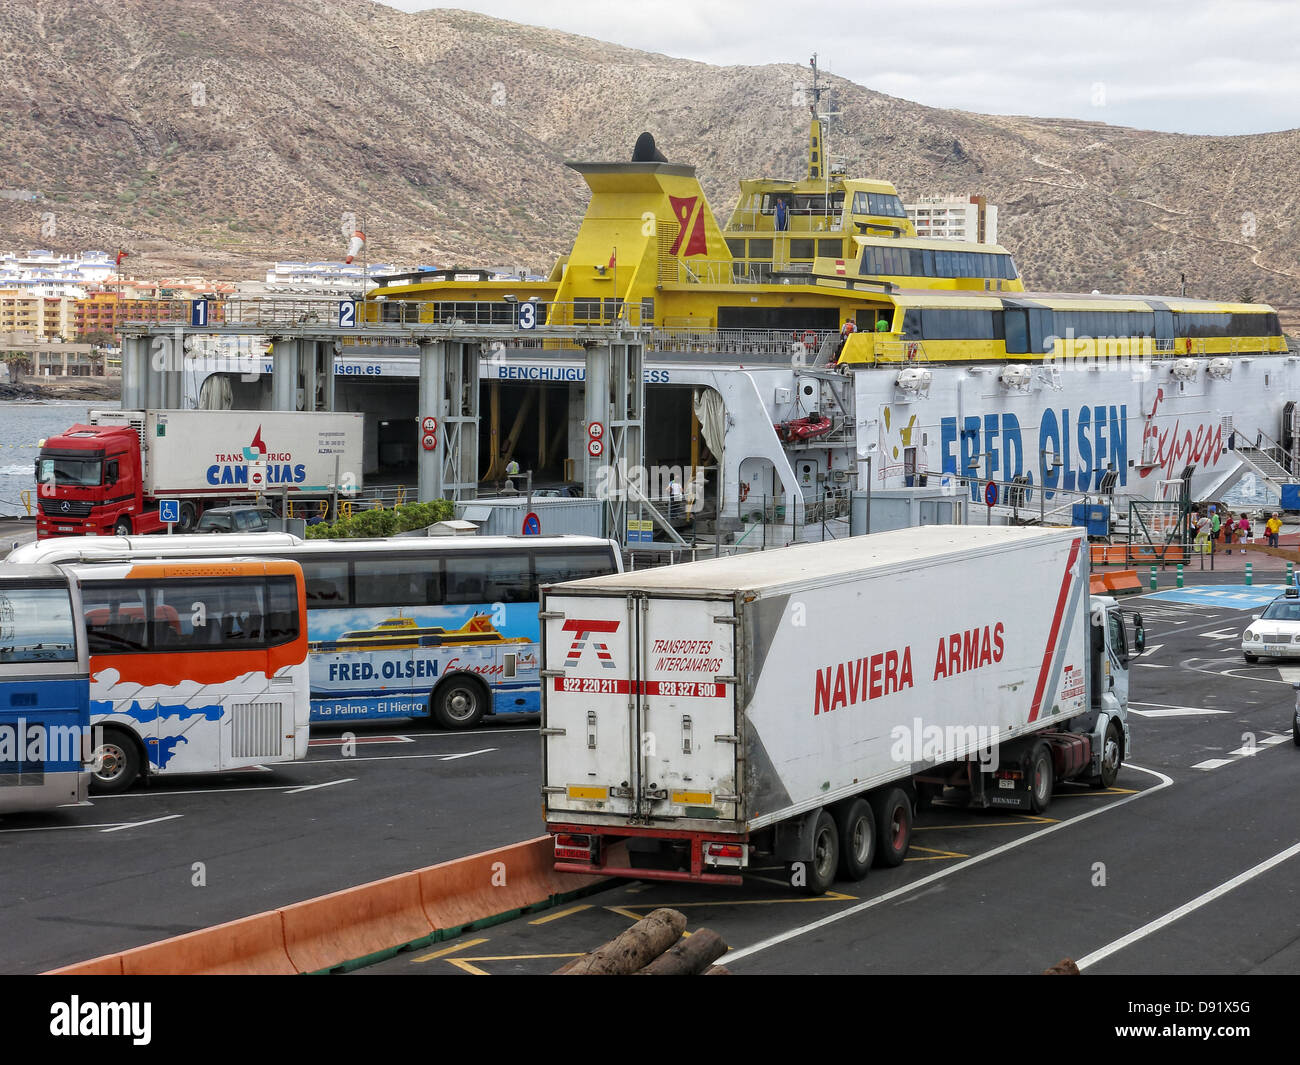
1276 632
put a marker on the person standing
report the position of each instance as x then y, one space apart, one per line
674 498
782 215
1229 527
1216 524
1243 531
1272 528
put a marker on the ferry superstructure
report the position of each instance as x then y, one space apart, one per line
831 349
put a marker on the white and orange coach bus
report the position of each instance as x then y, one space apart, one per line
196 666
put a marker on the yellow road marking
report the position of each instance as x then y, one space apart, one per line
1023 819
562 913
450 950
936 856
830 896
464 964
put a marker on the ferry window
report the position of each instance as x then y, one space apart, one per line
879 203
281 610
1009 268
553 567
760 249
801 249
930 269
36 624
1164 324
860 203
829 248
1143 324
1274 326
736 247
115 618
327 584
912 324
404 581
586 310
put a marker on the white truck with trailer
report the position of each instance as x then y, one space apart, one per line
800 703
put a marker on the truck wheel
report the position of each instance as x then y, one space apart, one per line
117 763
1112 756
460 702
123 527
188 518
1042 778
893 812
857 828
815 877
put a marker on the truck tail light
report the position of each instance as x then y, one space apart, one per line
573 847
732 854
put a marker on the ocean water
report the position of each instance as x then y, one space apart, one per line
22 425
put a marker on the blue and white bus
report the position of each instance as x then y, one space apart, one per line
440 627
45 740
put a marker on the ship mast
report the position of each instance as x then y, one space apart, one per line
816 155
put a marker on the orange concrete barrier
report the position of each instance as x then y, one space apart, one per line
495 882
1097 584
364 922
1123 582
357 922
249 946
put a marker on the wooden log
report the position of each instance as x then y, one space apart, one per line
1064 967
716 970
634 949
689 956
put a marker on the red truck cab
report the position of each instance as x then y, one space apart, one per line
89 483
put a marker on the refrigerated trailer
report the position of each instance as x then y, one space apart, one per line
799 704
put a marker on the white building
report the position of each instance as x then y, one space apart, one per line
955 217
45 274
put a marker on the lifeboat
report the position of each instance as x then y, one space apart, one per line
800 429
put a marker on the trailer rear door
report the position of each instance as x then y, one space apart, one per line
639 716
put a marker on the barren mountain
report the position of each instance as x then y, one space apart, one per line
220 137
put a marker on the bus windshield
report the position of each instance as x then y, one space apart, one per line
36 625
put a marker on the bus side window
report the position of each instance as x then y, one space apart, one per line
281 610
115 619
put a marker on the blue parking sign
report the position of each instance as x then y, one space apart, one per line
169 511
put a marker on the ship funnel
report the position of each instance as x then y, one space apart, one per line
645 150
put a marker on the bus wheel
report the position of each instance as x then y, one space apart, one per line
117 763
188 518
123 527
461 702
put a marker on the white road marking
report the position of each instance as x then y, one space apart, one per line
1245 752
313 787
393 757
1219 635
138 824
1152 665
1176 711
467 754
1213 763
1152 648
339 741
1271 741
1289 673
1186 908
812 926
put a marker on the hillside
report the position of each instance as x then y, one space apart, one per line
219 138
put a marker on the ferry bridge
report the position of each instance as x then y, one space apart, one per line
306 335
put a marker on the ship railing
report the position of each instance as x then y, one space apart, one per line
410 313
763 223
800 345
904 352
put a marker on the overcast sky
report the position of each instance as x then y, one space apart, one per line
1186 66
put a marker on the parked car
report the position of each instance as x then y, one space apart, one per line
237 519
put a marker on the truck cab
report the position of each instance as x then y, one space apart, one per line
88 482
